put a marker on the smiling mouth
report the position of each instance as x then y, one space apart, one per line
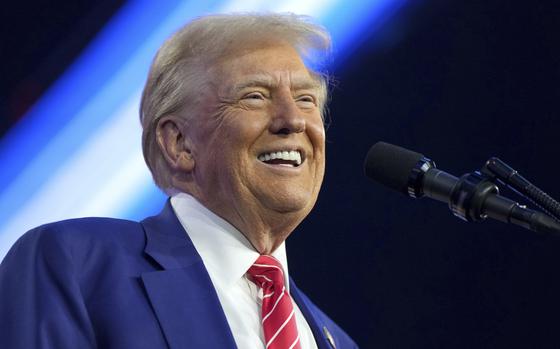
288 158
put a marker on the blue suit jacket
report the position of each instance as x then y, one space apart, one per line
107 283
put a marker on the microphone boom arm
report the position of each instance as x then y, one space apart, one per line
496 168
474 197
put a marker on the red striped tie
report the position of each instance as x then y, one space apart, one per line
278 317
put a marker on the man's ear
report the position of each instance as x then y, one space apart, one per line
173 143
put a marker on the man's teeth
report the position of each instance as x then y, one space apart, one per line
293 155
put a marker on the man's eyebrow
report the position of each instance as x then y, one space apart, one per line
268 81
260 80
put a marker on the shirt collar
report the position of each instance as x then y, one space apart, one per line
225 251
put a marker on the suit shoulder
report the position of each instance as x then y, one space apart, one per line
89 225
87 230
79 235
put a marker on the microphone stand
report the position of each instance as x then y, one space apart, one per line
475 198
498 170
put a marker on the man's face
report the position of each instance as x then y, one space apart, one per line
258 140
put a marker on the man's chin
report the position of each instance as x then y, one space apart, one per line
286 203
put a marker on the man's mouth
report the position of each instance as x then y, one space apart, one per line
290 158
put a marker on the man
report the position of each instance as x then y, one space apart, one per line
233 132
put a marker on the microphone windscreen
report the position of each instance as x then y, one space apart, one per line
391 165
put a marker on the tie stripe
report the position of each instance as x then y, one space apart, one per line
269 266
273 307
278 315
295 342
280 329
264 277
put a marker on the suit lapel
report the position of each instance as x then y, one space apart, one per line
182 295
316 325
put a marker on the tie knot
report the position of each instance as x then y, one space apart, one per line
267 273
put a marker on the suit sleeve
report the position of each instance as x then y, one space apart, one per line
40 299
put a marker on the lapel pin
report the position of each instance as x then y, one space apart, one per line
329 336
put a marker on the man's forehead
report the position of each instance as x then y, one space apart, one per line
296 80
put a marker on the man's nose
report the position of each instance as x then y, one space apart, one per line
287 118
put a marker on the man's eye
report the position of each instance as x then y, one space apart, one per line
254 95
306 99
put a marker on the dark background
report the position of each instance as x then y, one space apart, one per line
459 81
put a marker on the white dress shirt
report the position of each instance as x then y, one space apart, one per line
227 255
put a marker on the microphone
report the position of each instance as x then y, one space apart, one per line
472 197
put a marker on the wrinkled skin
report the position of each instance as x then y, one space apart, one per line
258 99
